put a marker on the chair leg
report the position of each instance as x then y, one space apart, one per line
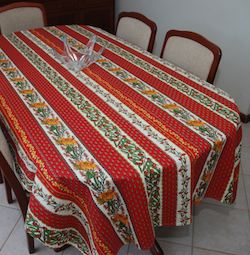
8 191
1 176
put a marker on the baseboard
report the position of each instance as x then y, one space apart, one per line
245 118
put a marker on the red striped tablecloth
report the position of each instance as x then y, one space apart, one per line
126 145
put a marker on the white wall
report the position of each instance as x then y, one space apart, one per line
225 22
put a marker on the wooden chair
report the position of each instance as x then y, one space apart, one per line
12 183
192 52
20 16
136 28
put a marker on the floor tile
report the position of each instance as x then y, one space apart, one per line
168 249
240 202
16 244
246 135
175 249
197 251
132 250
222 229
3 199
245 160
124 250
247 186
179 235
71 251
8 219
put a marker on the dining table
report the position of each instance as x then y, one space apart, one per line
111 152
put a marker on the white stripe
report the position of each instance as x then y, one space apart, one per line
236 163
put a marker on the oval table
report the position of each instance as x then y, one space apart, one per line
108 154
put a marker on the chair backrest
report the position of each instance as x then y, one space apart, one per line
20 16
192 52
136 28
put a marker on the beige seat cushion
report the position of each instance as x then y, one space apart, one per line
189 55
4 148
134 31
20 19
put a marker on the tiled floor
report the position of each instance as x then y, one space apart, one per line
217 229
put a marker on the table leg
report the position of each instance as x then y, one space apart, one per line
156 249
31 245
